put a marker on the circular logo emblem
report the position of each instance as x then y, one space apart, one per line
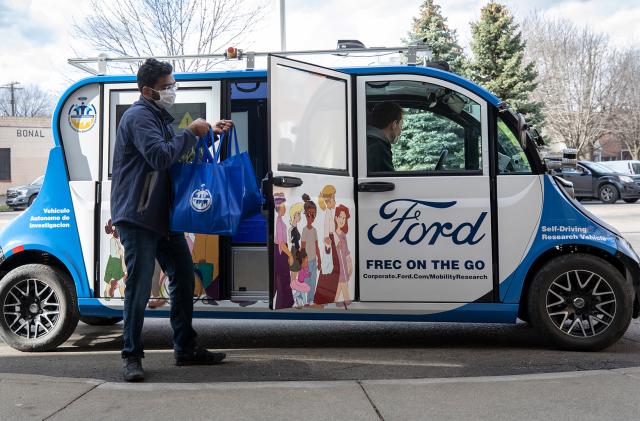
82 117
201 199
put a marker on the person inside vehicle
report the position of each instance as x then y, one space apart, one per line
146 147
383 130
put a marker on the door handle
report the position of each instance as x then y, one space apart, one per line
287 181
376 186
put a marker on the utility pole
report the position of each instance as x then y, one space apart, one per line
11 86
283 30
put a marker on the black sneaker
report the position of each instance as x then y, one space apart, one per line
132 369
200 356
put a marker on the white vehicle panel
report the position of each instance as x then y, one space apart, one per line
519 212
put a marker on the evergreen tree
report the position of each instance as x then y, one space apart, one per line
431 28
425 134
423 138
498 61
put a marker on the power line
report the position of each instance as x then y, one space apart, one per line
11 86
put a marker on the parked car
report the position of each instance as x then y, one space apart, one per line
23 196
629 166
592 180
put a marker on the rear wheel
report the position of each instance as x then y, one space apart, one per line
39 308
631 200
580 302
608 193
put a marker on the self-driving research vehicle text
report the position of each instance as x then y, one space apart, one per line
469 227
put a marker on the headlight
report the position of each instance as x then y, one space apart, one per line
625 179
22 192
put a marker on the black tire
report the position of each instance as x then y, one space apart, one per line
604 302
37 290
608 193
31 199
101 321
631 200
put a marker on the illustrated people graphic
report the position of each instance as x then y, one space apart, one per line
329 261
327 202
299 284
282 257
294 235
115 273
344 255
309 243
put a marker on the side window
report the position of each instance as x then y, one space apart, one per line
436 130
310 129
511 156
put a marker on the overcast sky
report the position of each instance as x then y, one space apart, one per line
35 38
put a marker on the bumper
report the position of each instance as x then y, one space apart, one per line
630 191
17 201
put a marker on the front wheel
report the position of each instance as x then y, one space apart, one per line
580 302
634 200
39 308
608 194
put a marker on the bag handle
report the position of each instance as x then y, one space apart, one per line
230 137
234 139
203 145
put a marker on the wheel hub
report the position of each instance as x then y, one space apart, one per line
581 303
31 308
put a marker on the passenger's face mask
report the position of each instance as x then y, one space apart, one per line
167 96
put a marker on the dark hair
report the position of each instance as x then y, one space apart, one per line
385 113
308 203
150 71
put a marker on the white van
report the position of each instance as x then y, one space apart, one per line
630 166
469 227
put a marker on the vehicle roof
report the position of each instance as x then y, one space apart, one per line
374 70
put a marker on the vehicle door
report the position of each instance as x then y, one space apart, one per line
313 218
425 228
193 100
582 180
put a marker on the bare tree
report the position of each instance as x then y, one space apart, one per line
168 27
626 125
30 101
577 82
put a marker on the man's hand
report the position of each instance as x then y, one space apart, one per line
222 126
199 127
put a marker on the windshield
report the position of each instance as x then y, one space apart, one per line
636 168
598 167
38 181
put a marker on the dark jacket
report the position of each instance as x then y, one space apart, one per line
146 147
378 151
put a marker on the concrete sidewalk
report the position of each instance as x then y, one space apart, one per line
599 394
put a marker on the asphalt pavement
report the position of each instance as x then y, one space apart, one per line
333 370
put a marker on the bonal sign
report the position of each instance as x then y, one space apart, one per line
30 133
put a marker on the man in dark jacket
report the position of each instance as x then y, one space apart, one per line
146 147
384 129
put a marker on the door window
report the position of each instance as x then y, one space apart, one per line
511 156
310 130
439 130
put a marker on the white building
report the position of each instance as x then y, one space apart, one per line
24 150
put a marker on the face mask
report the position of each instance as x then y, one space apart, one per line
167 98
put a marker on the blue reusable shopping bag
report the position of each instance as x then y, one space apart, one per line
251 197
207 195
